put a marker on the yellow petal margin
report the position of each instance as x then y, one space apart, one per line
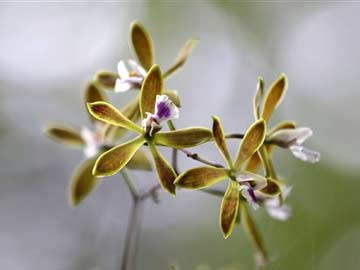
183 138
153 85
113 160
165 172
143 45
107 113
82 182
252 141
219 137
229 208
201 177
274 96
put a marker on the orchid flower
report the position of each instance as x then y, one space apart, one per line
92 142
129 79
293 139
155 108
165 110
240 181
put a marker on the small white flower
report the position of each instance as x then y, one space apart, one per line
165 110
129 79
293 139
93 140
275 208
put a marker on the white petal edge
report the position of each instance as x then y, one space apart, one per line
282 213
122 86
305 154
291 136
122 70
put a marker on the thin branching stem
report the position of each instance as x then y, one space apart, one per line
132 235
196 157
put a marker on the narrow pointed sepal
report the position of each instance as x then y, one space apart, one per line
165 172
107 113
93 94
142 44
106 80
274 96
201 177
183 138
153 85
229 208
65 135
113 160
219 137
252 141
258 97
82 182
182 56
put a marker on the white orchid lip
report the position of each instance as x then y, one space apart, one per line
129 79
293 139
165 110
275 208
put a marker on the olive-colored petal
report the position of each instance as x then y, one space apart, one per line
143 45
93 94
229 208
165 172
274 96
282 125
106 80
251 230
183 138
252 141
130 111
152 86
201 177
272 188
219 137
113 160
182 56
65 135
82 182
139 161
258 97
173 96
255 161
107 113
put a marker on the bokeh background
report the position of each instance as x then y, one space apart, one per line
48 51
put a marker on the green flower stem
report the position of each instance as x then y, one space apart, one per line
130 184
196 157
269 168
174 156
132 235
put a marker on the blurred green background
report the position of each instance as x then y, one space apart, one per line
48 51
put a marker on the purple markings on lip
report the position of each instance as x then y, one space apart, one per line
252 194
163 110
